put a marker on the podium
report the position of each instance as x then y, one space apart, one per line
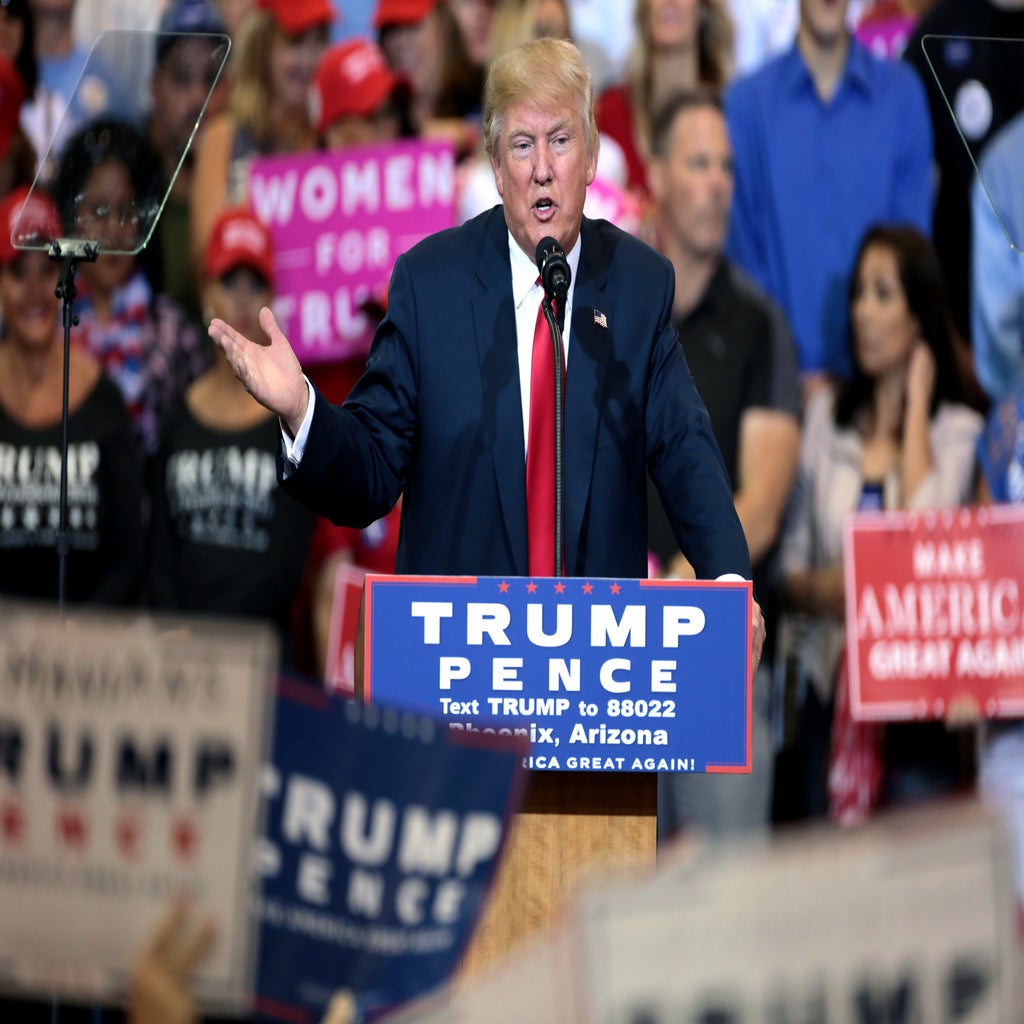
479 649
572 825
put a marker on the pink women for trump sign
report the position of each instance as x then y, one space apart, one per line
339 221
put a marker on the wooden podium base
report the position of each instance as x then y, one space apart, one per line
572 825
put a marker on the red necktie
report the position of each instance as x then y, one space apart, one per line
540 453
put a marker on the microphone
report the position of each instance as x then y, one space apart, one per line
554 272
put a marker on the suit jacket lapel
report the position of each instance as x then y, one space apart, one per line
495 323
590 347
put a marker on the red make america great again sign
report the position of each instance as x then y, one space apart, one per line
934 612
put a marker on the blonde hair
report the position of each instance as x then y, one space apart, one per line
250 88
515 22
714 43
542 71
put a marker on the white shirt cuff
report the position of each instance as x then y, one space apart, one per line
295 446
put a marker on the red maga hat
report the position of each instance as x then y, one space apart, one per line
402 12
34 223
298 16
238 239
352 79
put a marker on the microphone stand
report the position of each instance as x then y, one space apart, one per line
70 252
556 341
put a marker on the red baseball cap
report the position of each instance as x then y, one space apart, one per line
34 224
238 239
352 79
298 16
402 12
12 95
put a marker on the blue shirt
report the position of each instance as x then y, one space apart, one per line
812 177
75 89
1001 450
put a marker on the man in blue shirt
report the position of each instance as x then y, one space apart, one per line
828 140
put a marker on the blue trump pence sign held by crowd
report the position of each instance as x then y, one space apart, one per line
598 674
383 835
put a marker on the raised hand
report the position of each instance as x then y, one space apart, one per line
920 375
159 991
267 368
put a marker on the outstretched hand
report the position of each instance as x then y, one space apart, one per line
267 368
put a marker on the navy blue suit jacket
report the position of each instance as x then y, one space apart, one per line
438 416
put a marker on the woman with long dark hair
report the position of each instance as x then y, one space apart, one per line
898 435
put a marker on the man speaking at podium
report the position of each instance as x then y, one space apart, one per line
456 397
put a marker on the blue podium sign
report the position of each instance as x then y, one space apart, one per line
599 674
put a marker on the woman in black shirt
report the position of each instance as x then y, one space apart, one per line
104 475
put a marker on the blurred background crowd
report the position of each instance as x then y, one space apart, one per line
846 298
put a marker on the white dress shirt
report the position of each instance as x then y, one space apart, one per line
527 295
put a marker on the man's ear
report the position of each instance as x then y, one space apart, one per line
498 179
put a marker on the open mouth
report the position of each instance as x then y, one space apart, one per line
544 208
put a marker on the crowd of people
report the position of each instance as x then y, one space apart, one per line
845 298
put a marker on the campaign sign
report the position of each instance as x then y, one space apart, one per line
598 674
339 671
933 612
384 832
339 221
130 751
910 919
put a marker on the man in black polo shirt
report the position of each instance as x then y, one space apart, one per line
743 360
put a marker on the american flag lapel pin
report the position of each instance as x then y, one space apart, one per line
600 319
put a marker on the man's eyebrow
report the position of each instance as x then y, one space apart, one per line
563 126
